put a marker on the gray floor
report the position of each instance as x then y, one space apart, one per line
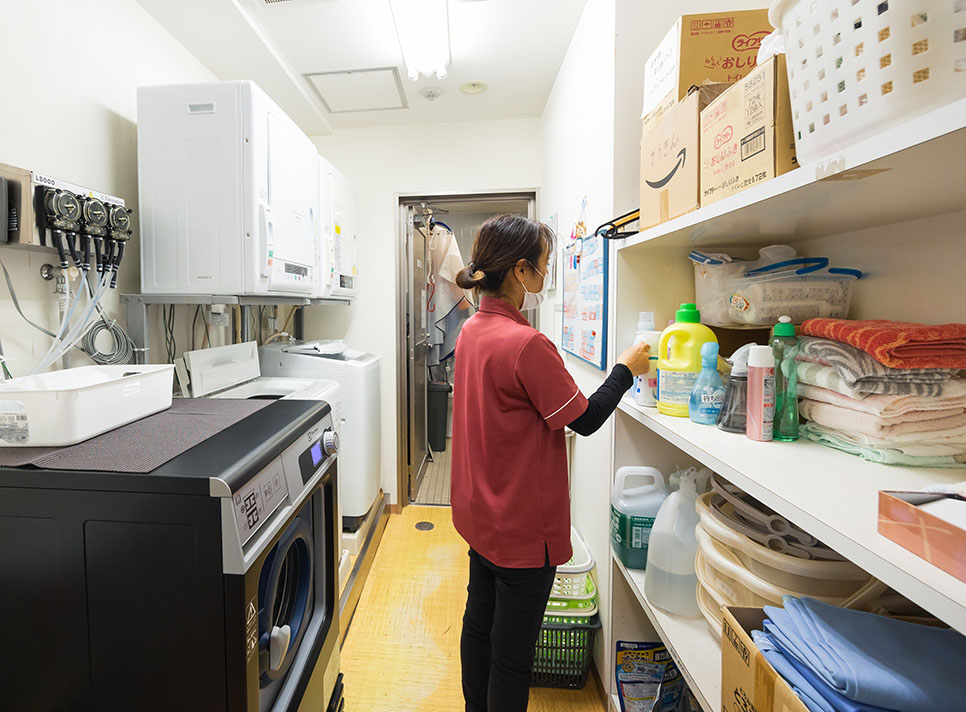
435 487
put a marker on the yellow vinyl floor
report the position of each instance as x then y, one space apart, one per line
402 650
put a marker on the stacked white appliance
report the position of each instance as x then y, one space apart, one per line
229 193
358 373
233 372
338 233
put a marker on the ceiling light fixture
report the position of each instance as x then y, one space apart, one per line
474 87
423 30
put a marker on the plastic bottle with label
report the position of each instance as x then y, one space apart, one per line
679 361
645 387
671 582
708 394
731 419
638 494
784 346
760 421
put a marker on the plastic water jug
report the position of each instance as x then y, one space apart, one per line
638 495
671 582
679 360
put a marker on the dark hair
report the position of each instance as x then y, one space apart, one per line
502 242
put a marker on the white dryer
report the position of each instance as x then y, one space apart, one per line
358 374
233 372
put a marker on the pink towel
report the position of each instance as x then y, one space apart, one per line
953 396
839 418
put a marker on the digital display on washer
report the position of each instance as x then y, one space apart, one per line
317 455
256 501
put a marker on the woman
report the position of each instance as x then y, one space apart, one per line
511 400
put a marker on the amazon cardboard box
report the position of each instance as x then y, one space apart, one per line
746 134
748 682
670 156
720 47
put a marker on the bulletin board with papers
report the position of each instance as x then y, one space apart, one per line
585 270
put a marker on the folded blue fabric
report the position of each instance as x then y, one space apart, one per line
838 701
807 693
872 659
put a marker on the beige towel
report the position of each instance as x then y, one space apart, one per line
846 420
953 396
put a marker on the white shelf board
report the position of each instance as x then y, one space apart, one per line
689 641
911 171
830 494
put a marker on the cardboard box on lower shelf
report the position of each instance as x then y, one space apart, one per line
748 682
746 134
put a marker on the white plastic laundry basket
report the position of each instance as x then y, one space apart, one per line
571 579
857 67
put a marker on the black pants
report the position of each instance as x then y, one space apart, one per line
504 610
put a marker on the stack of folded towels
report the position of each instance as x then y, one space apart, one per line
886 391
838 660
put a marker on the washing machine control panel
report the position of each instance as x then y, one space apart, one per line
256 501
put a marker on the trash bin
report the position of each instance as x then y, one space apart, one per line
438 400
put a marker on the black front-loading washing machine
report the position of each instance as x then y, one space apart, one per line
209 583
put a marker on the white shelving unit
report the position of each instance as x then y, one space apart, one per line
838 207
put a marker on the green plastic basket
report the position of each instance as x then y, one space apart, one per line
563 653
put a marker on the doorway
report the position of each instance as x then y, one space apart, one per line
432 310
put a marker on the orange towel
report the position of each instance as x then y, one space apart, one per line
898 344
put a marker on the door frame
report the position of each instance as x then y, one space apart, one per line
402 279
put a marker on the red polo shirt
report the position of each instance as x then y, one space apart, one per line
512 397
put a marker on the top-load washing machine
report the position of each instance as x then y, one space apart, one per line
157 569
358 374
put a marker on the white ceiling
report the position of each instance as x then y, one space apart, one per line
515 46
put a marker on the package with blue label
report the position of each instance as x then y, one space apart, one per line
647 678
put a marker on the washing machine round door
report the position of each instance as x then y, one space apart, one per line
285 599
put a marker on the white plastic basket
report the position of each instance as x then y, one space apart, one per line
857 67
66 407
571 579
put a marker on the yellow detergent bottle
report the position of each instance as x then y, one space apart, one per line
679 360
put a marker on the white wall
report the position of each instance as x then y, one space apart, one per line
81 129
578 160
424 159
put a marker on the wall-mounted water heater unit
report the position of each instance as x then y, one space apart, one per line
229 193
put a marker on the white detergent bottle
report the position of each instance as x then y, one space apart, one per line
645 387
670 582
638 495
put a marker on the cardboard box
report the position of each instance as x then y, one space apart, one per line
720 47
670 156
929 525
748 682
746 134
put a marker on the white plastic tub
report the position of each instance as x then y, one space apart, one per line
571 579
858 67
719 569
66 407
804 577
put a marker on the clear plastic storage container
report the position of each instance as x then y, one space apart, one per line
813 291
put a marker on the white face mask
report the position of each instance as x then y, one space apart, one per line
531 300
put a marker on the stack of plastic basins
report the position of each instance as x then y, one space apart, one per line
734 570
566 641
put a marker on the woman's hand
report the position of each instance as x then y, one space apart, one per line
636 359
